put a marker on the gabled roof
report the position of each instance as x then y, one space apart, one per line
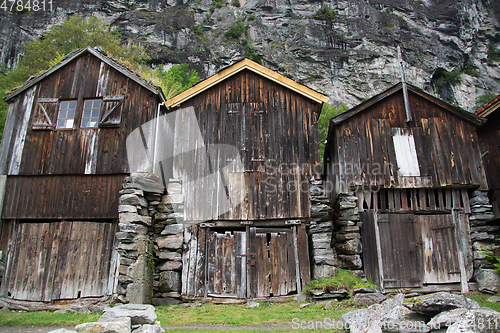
489 107
97 53
238 67
476 120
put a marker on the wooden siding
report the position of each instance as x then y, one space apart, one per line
59 260
62 197
489 138
361 150
275 132
45 150
257 262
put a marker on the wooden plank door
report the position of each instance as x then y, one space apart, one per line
369 241
59 260
278 262
441 261
400 250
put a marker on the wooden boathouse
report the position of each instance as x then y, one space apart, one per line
63 151
411 173
260 247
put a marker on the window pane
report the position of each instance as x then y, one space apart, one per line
69 123
88 104
60 123
95 113
72 105
93 123
70 114
64 105
97 103
62 114
86 113
85 122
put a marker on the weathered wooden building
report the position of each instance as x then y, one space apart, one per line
258 247
63 151
489 139
411 174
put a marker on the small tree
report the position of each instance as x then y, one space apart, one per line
177 79
327 113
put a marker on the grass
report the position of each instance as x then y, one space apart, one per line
482 299
343 280
237 315
43 318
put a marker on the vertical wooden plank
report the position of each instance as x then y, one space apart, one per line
201 259
262 263
465 199
275 268
291 277
11 249
62 258
303 246
219 264
251 270
193 248
185 261
242 291
211 262
282 249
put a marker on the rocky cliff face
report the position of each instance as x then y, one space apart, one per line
348 53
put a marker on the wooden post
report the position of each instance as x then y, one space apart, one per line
379 251
405 89
464 283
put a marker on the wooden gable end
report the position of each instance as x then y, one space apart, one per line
362 150
34 146
275 132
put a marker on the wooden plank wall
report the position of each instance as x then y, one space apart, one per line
489 137
58 260
423 200
447 148
275 131
81 150
64 197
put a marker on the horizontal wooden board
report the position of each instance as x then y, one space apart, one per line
62 197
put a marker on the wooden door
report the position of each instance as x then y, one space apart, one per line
245 263
441 261
59 260
400 250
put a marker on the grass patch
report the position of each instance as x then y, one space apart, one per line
265 314
482 299
43 318
343 280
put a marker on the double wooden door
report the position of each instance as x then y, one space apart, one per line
411 251
245 263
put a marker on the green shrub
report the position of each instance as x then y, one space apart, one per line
236 3
470 69
325 13
493 53
451 78
493 258
235 31
483 99
251 17
327 113
197 30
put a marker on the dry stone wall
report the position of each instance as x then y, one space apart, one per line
149 241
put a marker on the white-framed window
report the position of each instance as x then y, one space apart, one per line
66 114
90 114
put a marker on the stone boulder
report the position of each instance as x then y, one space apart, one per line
62 330
107 327
390 313
488 281
433 304
482 320
367 299
156 328
138 313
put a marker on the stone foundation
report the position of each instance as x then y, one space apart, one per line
324 261
149 241
484 235
347 230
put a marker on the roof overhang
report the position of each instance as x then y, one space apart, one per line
489 107
238 67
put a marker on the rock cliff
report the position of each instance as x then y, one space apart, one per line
344 49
